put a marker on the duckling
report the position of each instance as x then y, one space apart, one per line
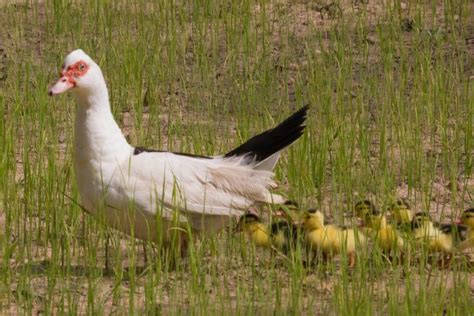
256 231
281 234
436 237
330 239
363 208
284 235
386 237
401 213
467 219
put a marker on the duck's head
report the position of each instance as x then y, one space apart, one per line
246 221
420 219
467 218
365 208
314 219
79 74
400 210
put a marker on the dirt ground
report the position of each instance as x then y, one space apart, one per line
323 15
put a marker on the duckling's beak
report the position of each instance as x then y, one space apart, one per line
279 213
282 214
348 214
298 222
238 228
458 221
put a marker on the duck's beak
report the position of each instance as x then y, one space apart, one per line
64 83
458 222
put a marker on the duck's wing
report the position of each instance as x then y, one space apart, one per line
209 192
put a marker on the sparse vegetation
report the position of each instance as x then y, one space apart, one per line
392 115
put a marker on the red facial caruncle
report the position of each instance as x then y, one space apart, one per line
69 76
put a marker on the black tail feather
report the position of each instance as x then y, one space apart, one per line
264 145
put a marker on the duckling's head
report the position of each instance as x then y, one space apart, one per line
288 211
314 219
467 218
420 219
376 220
401 211
364 208
246 222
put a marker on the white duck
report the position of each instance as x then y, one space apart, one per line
145 192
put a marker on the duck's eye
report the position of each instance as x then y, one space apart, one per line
82 67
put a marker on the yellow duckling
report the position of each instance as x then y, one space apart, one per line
401 212
284 235
436 237
364 208
256 231
385 236
281 235
467 219
330 239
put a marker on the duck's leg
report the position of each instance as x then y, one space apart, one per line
107 240
145 254
184 244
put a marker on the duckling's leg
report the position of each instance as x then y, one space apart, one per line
313 259
352 259
326 256
309 251
402 258
397 258
445 261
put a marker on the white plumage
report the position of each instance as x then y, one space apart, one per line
144 193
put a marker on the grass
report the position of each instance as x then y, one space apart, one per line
391 89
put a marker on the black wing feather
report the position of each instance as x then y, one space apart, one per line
261 146
264 145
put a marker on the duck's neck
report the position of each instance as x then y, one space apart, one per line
97 135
